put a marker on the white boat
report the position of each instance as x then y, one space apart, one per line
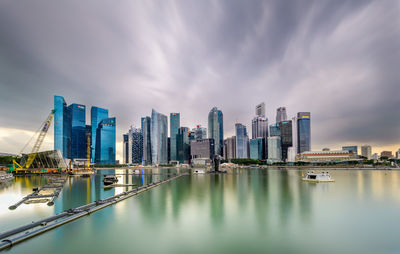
6 177
318 177
199 171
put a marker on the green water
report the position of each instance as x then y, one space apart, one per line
245 211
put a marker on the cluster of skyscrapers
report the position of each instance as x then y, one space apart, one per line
77 140
277 142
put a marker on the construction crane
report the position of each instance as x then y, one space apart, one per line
88 149
42 134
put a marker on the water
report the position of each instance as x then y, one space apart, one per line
246 211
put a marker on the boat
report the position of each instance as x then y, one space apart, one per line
318 177
109 179
199 171
6 177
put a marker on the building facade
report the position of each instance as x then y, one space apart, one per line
159 138
125 148
78 131
281 115
216 129
257 148
286 137
326 156
303 132
366 151
146 134
387 154
183 145
259 127
351 149
242 141
260 110
230 148
105 143
96 116
62 127
175 124
274 149
199 132
274 130
135 146
202 149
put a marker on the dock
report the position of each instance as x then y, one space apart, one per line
20 234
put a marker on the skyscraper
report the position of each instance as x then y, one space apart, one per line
183 145
366 151
199 132
286 137
230 148
97 115
260 110
135 145
78 131
159 138
125 148
62 127
242 141
105 143
257 147
146 134
174 126
259 127
303 132
281 115
274 130
274 149
216 129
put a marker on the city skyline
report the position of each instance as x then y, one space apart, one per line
308 64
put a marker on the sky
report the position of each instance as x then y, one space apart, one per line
337 59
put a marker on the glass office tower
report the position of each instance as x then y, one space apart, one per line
216 129
303 132
105 142
286 137
159 138
62 127
146 134
97 115
78 131
174 126
183 145
257 146
242 141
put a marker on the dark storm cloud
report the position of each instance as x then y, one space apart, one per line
337 59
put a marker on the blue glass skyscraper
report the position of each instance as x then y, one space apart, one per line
173 130
105 143
303 132
183 145
242 141
97 115
257 146
78 131
62 127
216 129
146 134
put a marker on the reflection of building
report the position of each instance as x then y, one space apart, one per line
230 148
274 149
257 147
366 151
242 141
303 132
317 156
202 148
175 124
351 149
159 138
146 134
281 114
47 159
216 129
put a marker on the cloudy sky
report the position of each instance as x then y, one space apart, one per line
337 59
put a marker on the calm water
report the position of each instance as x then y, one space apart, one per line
246 211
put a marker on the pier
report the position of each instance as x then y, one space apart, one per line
20 234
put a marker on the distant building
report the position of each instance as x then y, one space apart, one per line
183 145
351 149
326 156
303 130
159 138
387 154
274 130
398 154
216 129
260 110
274 149
135 146
230 148
78 131
259 127
146 134
242 141
295 134
292 153
175 124
281 115
286 137
97 115
374 156
105 143
326 149
125 148
199 132
366 151
257 148
202 148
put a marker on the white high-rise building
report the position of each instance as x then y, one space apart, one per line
260 110
159 138
281 114
274 149
259 127
366 151
292 152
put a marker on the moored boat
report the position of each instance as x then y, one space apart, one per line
6 177
318 177
109 179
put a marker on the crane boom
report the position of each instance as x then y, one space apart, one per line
42 134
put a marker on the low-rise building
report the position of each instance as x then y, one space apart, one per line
202 148
387 154
366 152
324 156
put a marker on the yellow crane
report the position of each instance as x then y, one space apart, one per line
88 149
42 134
